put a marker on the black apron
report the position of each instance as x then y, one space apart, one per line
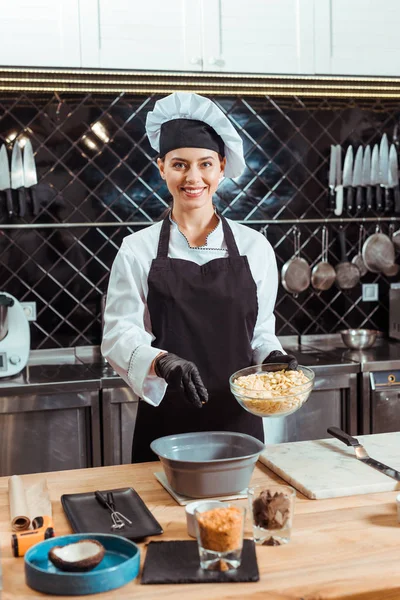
205 314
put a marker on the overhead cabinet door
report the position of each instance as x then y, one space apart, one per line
155 35
360 37
258 36
39 33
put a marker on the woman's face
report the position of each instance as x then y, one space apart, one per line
192 175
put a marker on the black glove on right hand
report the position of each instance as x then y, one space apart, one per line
184 375
276 356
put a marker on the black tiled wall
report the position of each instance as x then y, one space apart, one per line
96 165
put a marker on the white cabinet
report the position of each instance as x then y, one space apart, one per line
357 37
258 36
156 35
40 33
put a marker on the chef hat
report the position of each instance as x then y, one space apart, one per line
185 120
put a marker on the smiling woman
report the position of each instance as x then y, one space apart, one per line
190 300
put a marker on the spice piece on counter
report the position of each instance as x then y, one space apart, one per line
271 511
221 529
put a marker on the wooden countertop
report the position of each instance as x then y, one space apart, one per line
340 548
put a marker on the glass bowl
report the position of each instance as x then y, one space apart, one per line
271 403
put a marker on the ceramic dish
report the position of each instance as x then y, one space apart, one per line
119 566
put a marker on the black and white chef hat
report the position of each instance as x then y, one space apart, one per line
185 120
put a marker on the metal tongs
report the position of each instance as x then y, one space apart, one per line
117 518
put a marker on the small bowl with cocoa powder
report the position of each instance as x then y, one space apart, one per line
220 536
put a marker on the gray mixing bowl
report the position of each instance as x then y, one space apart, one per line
207 464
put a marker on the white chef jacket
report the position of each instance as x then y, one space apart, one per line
127 334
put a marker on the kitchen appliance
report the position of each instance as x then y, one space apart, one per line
14 336
209 463
394 311
17 177
362 454
327 469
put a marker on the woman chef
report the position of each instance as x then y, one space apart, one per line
191 298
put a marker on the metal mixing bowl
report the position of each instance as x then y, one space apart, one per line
358 339
267 404
209 463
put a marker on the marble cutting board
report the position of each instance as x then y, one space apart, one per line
329 469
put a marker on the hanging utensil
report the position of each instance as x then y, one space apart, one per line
396 239
366 177
394 177
332 177
348 177
17 177
384 170
323 274
393 270
358 258
339 184
347 274
5 183
296 272
30 176
375 181
378 252
357 178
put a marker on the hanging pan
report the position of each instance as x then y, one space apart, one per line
323 274
378 252
358 258
296 272
347 274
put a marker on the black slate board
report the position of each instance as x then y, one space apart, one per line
86 515
178 562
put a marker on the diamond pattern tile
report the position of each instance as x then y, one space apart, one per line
95 165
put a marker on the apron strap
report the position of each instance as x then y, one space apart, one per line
163 242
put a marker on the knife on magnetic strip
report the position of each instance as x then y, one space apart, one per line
362 454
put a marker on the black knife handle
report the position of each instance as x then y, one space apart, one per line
349 199
388 201
332 198
35 201
359 198
21 202
396 192
378 198
10 205
343 436
369 197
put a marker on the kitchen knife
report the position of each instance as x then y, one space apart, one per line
17 177
30 176
362 454
375 177
5 184
357 177
348 177
332 177
384 170
339 186
366 176
394 177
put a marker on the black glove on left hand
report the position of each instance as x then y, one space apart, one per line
276 356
